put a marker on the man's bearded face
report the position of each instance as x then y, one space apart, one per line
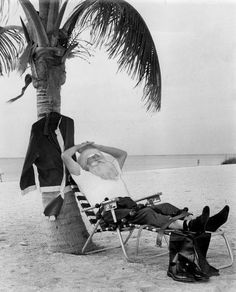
101 167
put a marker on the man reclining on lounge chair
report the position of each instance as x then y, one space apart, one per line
99 176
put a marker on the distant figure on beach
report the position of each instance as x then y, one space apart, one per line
99 176
1 174
198 162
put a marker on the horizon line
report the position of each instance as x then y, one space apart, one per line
172 154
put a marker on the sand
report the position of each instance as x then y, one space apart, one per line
27 264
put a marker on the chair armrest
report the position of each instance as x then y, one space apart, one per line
89 208
151 200
108 205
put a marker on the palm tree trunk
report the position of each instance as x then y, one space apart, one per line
48 75
43 105
68 233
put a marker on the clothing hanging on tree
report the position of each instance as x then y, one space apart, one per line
45 153
53 209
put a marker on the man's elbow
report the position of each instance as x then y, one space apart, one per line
63 156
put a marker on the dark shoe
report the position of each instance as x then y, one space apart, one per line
218 219
200 276
193 269
199 224
212 271
179 274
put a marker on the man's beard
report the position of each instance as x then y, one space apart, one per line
104 169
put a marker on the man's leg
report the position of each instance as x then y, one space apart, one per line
167 209
148 216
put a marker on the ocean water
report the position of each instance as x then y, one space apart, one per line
11 167
150 162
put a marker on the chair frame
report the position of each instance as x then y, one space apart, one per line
220 232
111 205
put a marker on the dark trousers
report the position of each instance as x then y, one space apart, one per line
157 215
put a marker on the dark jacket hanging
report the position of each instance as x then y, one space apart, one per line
44 152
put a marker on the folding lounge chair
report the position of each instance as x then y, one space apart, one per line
97 227
110 205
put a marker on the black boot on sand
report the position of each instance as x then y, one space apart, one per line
199 223
218 219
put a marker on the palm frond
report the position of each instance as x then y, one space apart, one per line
35 23
43 11
4 11
60 16
71 21
12 43
25 58
52 15
118 26
26 33
28 80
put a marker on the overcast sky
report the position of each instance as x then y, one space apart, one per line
195 41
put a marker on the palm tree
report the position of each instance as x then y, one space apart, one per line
51 38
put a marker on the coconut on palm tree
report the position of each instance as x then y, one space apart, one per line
52 36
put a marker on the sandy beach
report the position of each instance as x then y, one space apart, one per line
27 264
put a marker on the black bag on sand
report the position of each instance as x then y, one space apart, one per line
54 207
125 207
187 257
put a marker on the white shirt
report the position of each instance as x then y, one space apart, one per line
97 189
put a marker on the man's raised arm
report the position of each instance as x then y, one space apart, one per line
70 164
118 154
67 158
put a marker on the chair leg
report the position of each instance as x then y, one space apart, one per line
230 253
122 243
141 228
166 240
138 238
90 237
129 235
